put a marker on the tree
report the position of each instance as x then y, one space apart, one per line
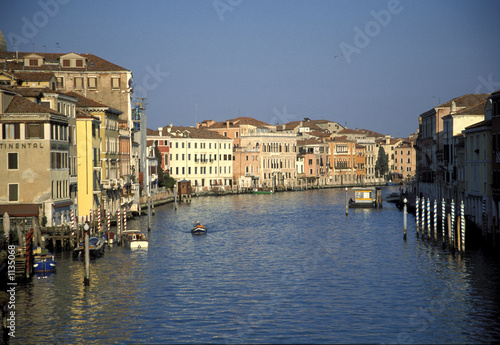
164 178
382 164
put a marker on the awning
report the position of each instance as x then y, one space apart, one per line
20 210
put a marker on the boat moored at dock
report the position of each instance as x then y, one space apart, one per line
364 198
96 248
262 191
44 261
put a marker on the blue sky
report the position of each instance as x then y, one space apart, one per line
278 60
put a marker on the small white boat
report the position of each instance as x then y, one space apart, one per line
135 239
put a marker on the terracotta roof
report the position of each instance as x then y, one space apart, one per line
34 76
341 139
93 63
236 122
477 109
21 105
81 114
370 133
191 132
292 124
29 91
310 141
84 102
350 131
466 100
319 134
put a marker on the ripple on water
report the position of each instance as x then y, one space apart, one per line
282 268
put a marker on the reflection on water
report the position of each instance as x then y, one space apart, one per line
282 268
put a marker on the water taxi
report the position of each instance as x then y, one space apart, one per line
135 239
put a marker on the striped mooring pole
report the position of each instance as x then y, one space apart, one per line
443 220
462 225
90 221
72 220
435 218
417 206
118 221
452 240
99 219
429 217
422 220
109 222
124 219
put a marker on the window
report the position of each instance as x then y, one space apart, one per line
60 81
66 63
34 131
115 82
79 63
92 82
33 62
13 192
13 161
11 131
78 83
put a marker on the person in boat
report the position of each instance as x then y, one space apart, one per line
197 224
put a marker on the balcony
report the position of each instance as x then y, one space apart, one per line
247 149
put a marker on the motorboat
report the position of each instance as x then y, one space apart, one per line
262 191
198 229
44 261
96 248
135 239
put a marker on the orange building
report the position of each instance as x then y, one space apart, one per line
347 161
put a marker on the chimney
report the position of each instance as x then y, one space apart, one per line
160 131
387 139
198 125
453 106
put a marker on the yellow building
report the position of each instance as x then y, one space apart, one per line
89 165
111 181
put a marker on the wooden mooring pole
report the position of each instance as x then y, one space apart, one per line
346 208
443 222
405 214
417 206
86 259
86 280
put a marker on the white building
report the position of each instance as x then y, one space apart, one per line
203 157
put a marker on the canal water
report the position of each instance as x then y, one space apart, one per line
282 268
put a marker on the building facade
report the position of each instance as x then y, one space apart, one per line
202 157
34 146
